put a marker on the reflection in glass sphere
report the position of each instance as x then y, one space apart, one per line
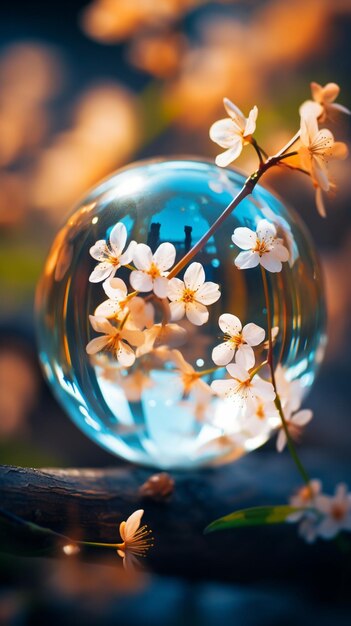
147 413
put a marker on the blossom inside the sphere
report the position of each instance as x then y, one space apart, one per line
262 247
238 341
114 340
152 269
242 389
110 254
192 295
233 132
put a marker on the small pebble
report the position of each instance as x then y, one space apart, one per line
157 487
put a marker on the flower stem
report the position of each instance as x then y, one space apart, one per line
97 544
278 404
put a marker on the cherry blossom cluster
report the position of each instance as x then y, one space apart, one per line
125 320
321 515
312 146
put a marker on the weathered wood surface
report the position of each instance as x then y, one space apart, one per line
90 504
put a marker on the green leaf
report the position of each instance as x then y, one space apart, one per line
256 516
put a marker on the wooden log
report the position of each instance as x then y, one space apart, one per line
90 503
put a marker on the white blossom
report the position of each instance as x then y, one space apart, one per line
110 254
261 247
114 340
233 132
135 538
152 269
336 512
295 424
322 106
191 296
318 146
119 303
242 389
238 342
170 335
262 418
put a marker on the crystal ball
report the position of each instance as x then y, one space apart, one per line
156 410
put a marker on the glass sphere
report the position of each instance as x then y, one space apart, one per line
150 412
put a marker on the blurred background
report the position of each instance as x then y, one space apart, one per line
89 86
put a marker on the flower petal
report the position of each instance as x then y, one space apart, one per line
128 254
97 344
122 527
227 157
338 150
142 256
329 92
320 172
175 289
229 324
251 122
161 287
102 271
253 334
320 202
102 325
141 281
244 238
245 357
222 354
115 288
194 276
196 313
280 251
208 293
125 354
309 107
118 238
99 250
132 524
263 389
223 387
266 230
134 337
270 262
177 311
302 417
281 441
225 133
108 308
234 112
164 256
246 260
237 372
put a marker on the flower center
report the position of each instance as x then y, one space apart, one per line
140 543
305 493
260 412
189 379
153 271
338 512
188 296
113 259
235 340
113 343
262 246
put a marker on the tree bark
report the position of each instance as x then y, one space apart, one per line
90 503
